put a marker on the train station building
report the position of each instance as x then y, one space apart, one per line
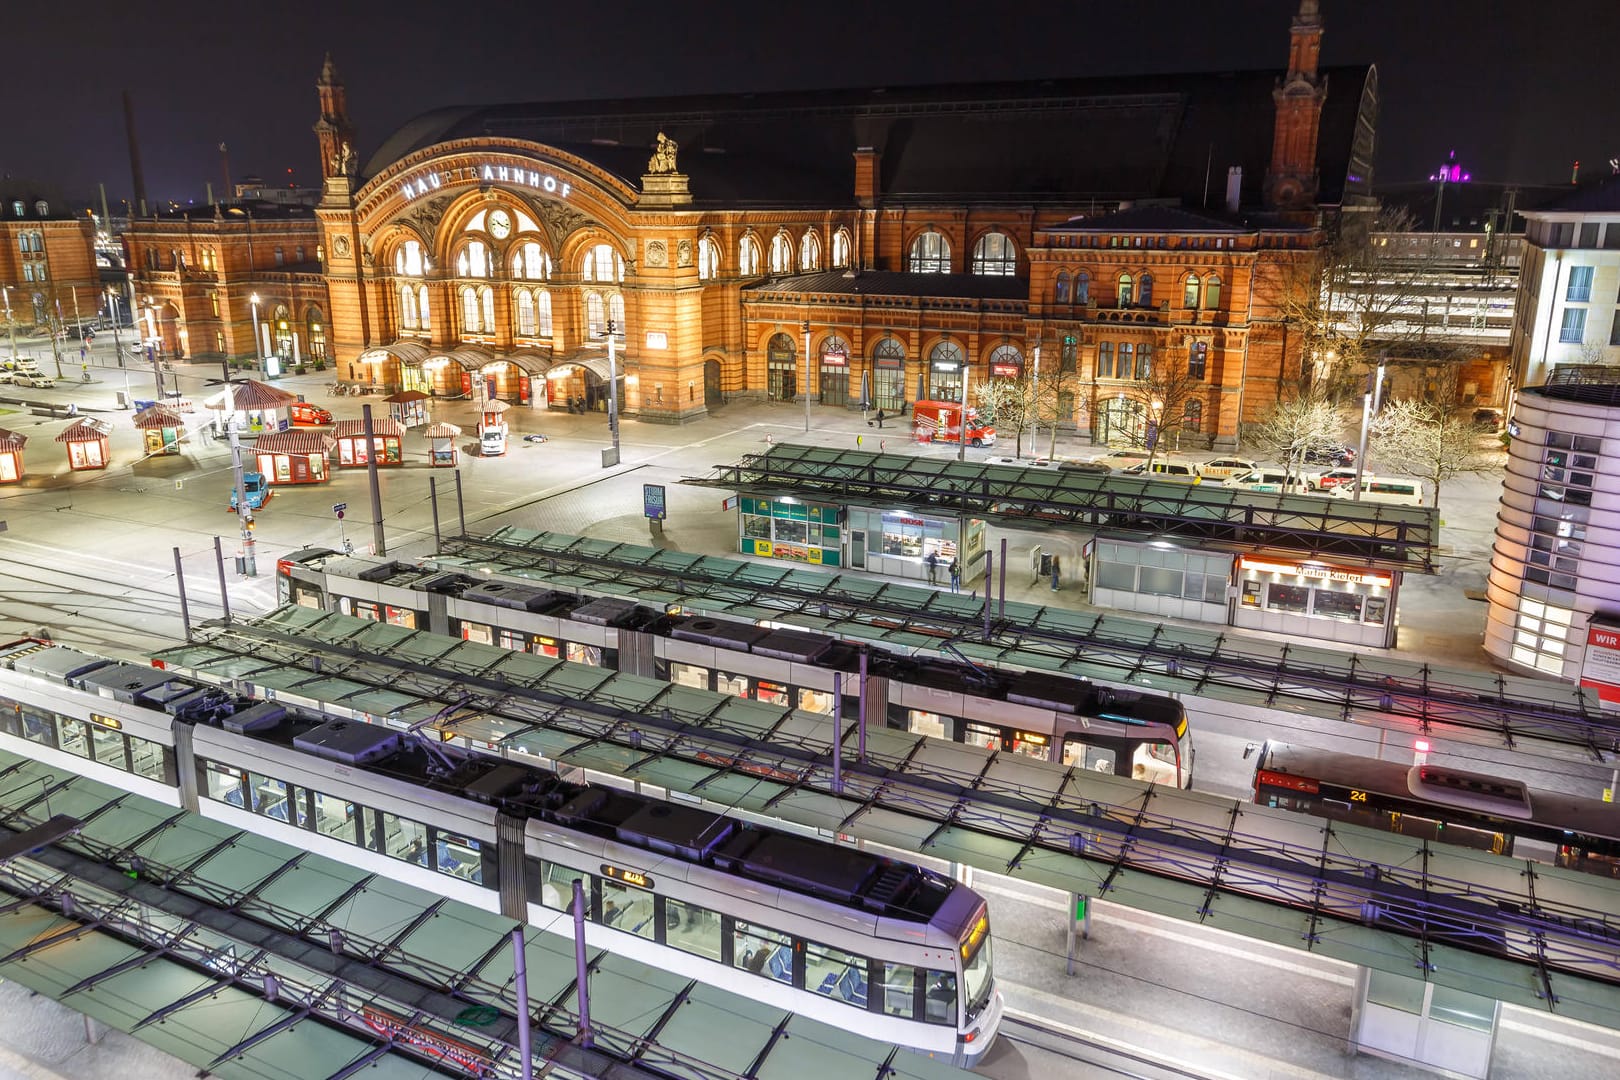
873 246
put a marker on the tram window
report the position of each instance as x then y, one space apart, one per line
899 989
108 747
557 885
689 675
404 839
763 952
1589 862
545 646
471 631
1413 825
1103 759
771 692
306 597
269 796
39 726
400 616
585 654
816 701
510 639
10 717
73 737
1478 839
150 759
939 1003
981 735
298 801
1034 746
692 929
1150 764
628 909
458 856
835 973
224 784
926 723
335 817
736 685
367 609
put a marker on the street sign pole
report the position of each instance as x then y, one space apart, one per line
343 537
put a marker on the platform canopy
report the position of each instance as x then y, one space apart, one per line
250 395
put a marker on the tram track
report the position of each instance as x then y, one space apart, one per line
1103 1056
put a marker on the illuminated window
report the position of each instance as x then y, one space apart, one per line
486 297
542 311
1105 360
407 308
602 263
1212 292
408 261
810 251
595 315
315 333
708 263
748 257
1189 294
1541 635
995 256
1197 359
930 254
1144 361
531 263
840 249
473 261
470 321
422 307
616 314
1124 290
523 312
1192 416
781 254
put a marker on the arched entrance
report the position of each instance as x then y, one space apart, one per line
169 331
581 385
781 369
711 384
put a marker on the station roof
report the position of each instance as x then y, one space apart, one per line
1205 516
1211 663
179 959
1070 139
1294 880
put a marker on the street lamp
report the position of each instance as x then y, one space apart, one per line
1370 402
613 391
10 322
806 328
257 351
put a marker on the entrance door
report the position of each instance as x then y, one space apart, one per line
711 383
781 370
857 549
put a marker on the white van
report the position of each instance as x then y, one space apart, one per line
1384 489
1180 472
1268 481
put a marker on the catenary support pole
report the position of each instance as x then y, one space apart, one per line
433 498
838 731
461 507
379 545
180 584
1001 587
988 569
520 972
581 971
219 561
861 748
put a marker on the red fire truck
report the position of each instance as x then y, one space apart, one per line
941 421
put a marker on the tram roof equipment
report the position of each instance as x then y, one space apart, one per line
1209 516
1519 931
1210 663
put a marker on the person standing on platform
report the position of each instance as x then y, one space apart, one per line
956 576
932 562
880 418
1056 570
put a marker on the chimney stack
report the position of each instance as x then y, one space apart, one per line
1234 188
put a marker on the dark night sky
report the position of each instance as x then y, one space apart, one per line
1517 95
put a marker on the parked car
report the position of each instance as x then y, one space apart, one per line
1182 472
1267 481
303 414
1327 481
1092 468
7 376
1488 420
1026 463
1224 468
257 489
36 380
1337 454
1121 459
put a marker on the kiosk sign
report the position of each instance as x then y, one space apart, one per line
652 501
1600 666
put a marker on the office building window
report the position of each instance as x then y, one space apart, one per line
1197 360
1573 331
930 254
1579 290
995 256
1105 360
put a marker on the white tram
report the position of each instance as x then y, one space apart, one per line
875 946
1043 714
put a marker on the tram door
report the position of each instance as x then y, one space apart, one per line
1091 756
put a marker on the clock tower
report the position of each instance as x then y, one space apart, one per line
1291 181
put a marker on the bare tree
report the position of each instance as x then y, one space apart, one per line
1428 441
1011 402
1163 393
1359 299
1296 429
1053 402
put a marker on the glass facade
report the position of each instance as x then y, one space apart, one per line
791 530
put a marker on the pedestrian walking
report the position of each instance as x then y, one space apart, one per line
932 561
956 576
1055 572
880 418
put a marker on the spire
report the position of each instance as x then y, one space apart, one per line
329 75
332 130
1291 181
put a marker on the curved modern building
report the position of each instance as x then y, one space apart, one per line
1554 585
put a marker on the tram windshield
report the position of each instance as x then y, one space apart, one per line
977 965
